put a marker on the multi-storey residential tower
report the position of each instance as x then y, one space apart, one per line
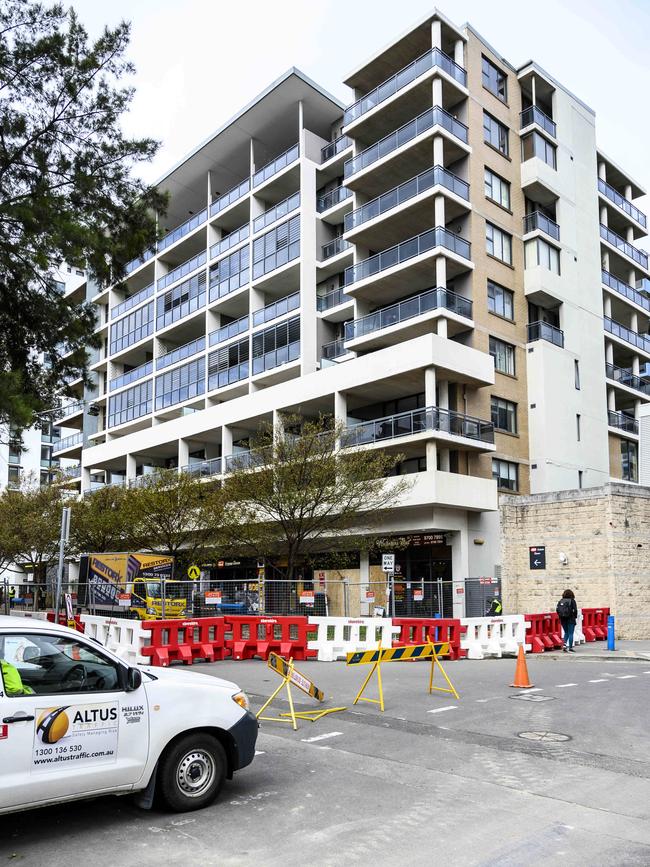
423 264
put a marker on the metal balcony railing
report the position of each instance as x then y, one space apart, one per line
275 213
130 376
533 114
133 301
625 376
392 85
68 410
335 147
226 332
333 197
184 229
432 299
331 299
277 308
276 165
276 357
333 349
180 353
537 220
182 270
641 341
545 331
626 290
426 420
75 439
624 246
400 253
333 248
135 263
622 421
621 202
204 469
233 195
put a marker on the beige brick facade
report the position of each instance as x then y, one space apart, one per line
604 534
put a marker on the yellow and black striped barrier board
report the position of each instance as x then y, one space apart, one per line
286 670
398 654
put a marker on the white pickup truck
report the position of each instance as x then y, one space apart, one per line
77 722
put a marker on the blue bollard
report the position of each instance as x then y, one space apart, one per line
610 633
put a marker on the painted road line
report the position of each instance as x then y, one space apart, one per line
321 737
260 753
492 698
599 680
534 689
625 676
442 709
562 685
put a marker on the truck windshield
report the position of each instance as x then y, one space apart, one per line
173 590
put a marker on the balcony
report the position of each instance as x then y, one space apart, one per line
407 250
342 143
626 290
276 357
622 421
65 412
641 341
331 299
203 469
133 301
277 212
436 176
431 419
533 114
281 162
230 241
131 376
624 246
277 308
545 331
435 116
433 58
229 198
135 263
625 376
69 442
403 311
332 198
540 222
182 270
333 248
180 353
334 349
622 203
184 229
227 332
228 376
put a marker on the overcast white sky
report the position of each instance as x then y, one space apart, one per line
199 61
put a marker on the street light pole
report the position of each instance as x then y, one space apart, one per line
63 539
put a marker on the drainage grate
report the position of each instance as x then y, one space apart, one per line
532 696
553 737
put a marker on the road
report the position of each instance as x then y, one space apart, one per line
433 780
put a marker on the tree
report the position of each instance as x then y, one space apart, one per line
299 494
67 193
102 521
31 519
177 514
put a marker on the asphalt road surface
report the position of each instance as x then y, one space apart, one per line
555 776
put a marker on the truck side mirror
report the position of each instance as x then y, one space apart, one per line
133 679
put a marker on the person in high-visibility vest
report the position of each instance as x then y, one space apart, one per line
12 680
496 608
12 595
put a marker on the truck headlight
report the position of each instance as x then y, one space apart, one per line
242 700
151 610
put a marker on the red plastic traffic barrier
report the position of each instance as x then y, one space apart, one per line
250 636
63 620
185 640
418 630
594 623
544 632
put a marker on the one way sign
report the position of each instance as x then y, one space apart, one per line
537 557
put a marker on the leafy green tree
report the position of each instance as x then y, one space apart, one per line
101 521
67 193
31 519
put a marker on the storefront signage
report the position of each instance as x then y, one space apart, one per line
537 557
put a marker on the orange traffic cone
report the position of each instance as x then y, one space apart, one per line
521 672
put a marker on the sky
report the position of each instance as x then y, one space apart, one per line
199 61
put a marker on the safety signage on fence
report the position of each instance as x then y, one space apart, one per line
124 599
282 667
193 572
212 597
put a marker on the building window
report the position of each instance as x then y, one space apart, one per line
504 356
495 80
277 345
506 474
180 384
230 273
576 374
498 243
580 478
130 404
496 189
495 134
13 477
500 300
578 426
132 328
229 364
535 145
181 300
629 462
504 415
538 252
276 248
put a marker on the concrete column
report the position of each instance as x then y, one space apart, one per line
130 467
441 272
459 52
603 215
183 454
438 151
609 352
634 321
629 235
85 479
607 306
278 424
602 172
226 441
637 407
340 407
533 88
431 449
636 365
437 92
631 277
436 34
439 211
605 259
443 403
441 329
611 399
628 192
459 570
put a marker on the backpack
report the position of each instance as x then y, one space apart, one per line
565 609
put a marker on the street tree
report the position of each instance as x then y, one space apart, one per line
101 521
31 518
298 493
68 192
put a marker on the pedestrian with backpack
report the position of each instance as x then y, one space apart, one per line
567 611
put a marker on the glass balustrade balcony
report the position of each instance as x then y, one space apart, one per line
333 248
204 469
430 59
622 421
276 357
184 229
438 175
281 162
626 290
334 147
432 299
230 241
624 246
641 341
331 299
229 198
625 376
135 263
280 210
537 220
75 439
621 202
277 308
333 197
333 349
435 116
226 332
228 376
438 237
430 419
133 301
182 270
130 376
545 331
533 114
68 410
180 353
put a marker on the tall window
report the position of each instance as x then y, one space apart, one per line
498 243
500 300
506 474
504 356
578 432
497 189
504 415
576 374
629 461
535 145
495 133
539 252
495 80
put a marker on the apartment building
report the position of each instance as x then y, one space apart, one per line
445 264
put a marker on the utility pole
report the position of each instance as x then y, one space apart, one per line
63 539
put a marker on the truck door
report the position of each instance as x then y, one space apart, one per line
67 725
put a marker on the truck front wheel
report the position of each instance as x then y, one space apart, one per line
192 772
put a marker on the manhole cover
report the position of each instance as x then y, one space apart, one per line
555 737
532 696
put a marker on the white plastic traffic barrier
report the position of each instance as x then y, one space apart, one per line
338 636
126 638
35 615
493 636
578 634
